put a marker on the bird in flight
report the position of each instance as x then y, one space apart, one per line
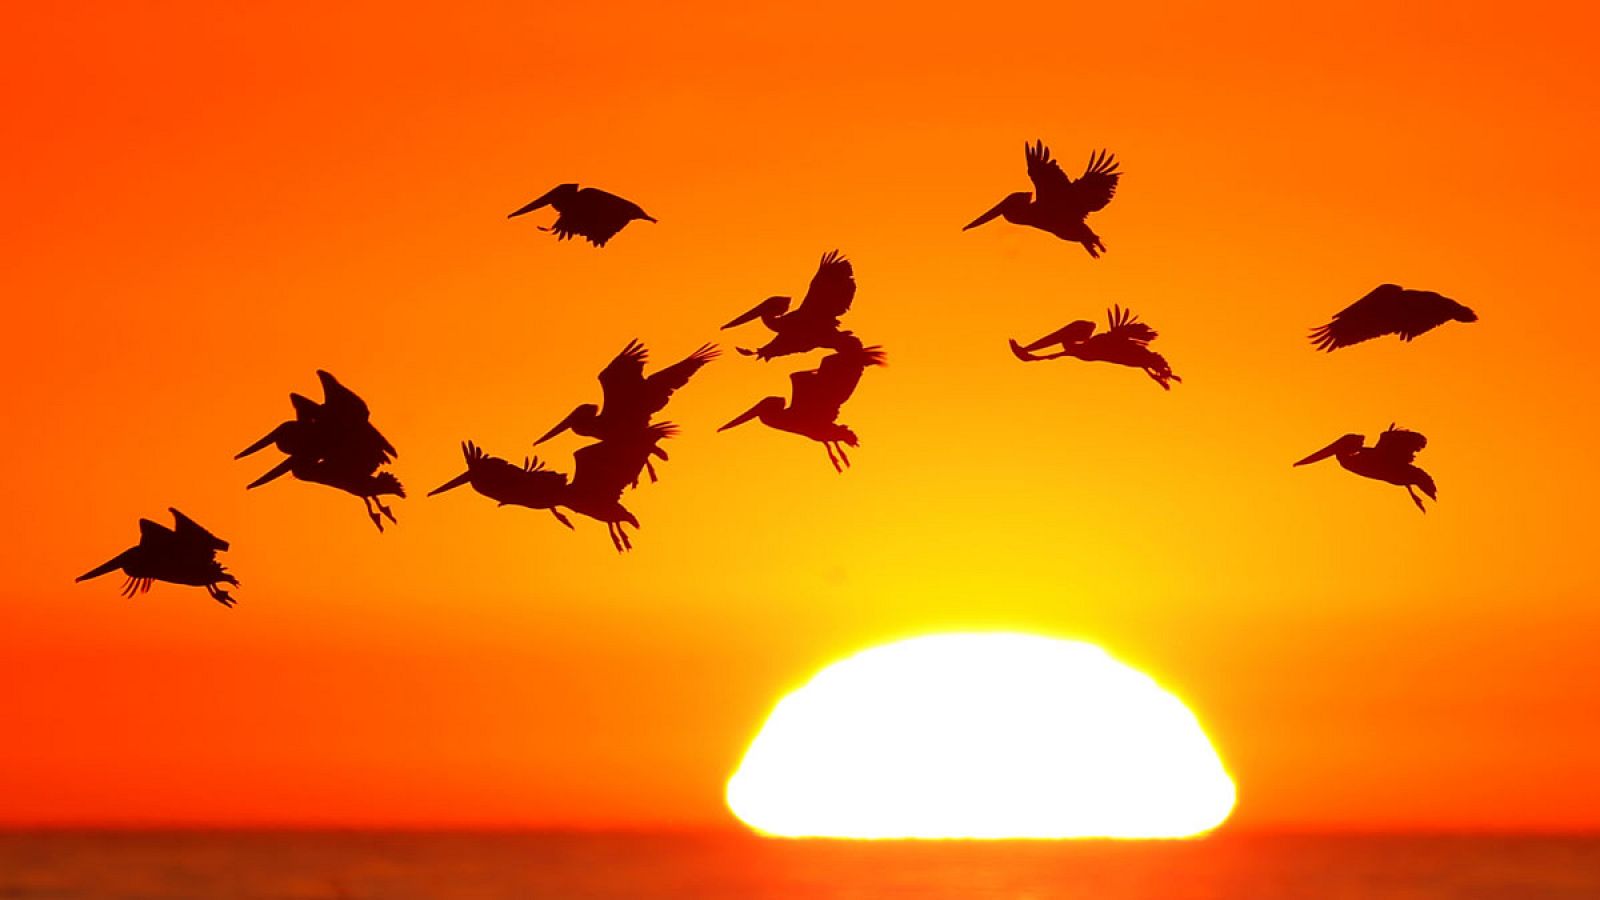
1058 204
816 323
817 398
601 471
184 554
631 398
334 443
1389 309
1392 459
1126 342
590 213
530 485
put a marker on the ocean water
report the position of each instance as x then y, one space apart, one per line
730 866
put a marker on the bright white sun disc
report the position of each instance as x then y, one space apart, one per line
988 735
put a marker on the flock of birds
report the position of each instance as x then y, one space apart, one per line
334 443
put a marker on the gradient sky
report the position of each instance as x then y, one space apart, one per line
205 204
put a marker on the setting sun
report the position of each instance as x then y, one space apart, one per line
991 735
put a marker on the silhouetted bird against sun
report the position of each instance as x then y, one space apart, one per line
630 398
333 443
1126 343
530 485
818 396
1389 309
590 213
1390 460
184 554
600 473
1059 205
816 323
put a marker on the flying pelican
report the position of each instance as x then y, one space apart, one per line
816 323
1389 309
1390 460
630 398
590 213
818 395
333 443
1126 343
184 554
530 485
1059 205
602 470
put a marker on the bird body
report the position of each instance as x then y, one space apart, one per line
1059 205
817 398
1389 309
601 471
185 554
630 398
1126 342
333 443
1391 459
815 324
530 485
590 213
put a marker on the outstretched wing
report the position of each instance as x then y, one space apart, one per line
189 531
832 288
1400 445
622 378
1124 325
822 392
675 376
1045 173
1095 187
1388 309
340 400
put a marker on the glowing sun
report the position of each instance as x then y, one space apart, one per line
989 735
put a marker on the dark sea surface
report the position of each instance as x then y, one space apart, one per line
559 866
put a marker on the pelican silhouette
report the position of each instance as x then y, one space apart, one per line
1126 343
1059 205
1391 460
630 398
1389 309
530 485
818 396
590 213
602 470
184 554
333 443
816 323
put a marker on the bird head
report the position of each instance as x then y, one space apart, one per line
1007 207
576 420
1346 445
766 406
772 306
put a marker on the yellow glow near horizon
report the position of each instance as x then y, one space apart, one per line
989 735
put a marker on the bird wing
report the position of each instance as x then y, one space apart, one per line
1386 309
152 533
597 215
340 400
622 378
1045 173
1095 187
675 376
1400 444
822 391
190 532
1124 325
832 288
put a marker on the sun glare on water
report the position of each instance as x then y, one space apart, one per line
981 736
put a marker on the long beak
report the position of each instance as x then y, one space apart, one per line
747 416
986 216
276 472
115 563
561 426
271 437
1320 455
750 316
452 484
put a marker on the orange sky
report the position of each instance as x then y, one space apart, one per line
205 205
